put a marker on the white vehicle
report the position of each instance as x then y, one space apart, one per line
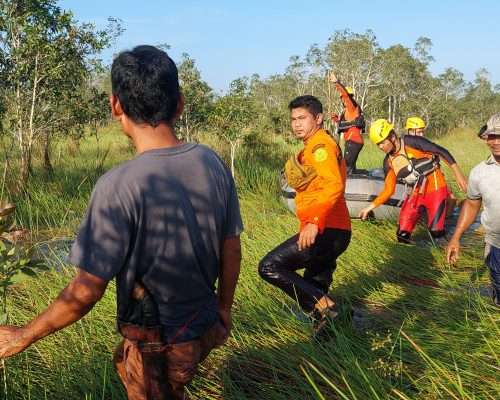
361 190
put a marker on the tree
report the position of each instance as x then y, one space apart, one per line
353 57
232 115
270 101
422 50
480 100
198 97
47 58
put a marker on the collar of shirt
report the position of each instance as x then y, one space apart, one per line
491 160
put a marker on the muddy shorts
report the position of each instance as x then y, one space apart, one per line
152 370
493 262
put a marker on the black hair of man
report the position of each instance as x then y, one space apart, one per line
353 100
146 81
310 103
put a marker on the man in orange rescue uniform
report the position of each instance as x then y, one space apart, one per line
350 123
415 161
318 174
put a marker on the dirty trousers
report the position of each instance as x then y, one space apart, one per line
279 266
152 370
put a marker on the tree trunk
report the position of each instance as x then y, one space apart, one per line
389 112
25 164
234 146
47 165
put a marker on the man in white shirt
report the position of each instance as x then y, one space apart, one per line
484 190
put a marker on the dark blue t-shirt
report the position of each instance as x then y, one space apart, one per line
161 219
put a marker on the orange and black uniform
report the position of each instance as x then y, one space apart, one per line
321 203
352 132
428 196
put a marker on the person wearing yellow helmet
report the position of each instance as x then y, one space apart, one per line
351 123
415 126
414 160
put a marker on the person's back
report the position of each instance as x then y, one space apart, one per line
166 225
176 202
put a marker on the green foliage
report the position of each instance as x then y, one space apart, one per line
14 260
409 346
48 60
198 98
232 114
393 82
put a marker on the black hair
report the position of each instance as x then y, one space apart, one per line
146 82
310 103
482 130
354 102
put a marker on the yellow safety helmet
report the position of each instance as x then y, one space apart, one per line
380 130
415 123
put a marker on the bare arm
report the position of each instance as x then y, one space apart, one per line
387 192
467 216
459 177
228 277
76 300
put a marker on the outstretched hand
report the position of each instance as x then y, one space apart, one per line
365 212
452 251
332 77
12 340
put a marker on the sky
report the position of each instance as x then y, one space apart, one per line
231 39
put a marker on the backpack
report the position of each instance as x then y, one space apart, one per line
358 122
298 175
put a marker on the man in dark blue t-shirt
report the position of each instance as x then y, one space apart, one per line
166 226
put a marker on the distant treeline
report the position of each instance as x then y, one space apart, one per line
393 83
52 83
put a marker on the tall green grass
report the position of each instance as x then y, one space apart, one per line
405 340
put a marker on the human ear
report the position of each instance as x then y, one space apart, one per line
116 107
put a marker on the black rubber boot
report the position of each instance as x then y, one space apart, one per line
404 237
438 234
496 297
321 319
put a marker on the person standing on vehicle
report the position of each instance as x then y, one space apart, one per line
350 123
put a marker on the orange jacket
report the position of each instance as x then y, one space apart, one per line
351 112
322 202
415 147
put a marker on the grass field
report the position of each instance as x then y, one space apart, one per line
408 341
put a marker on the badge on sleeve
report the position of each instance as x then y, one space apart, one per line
319 153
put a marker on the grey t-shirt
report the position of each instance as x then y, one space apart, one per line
161 219
484 184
